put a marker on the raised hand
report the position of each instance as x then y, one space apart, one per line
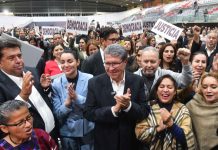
184 54
27 85
45 80
215 63
197 32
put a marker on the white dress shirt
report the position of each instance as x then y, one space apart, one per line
118 89
38 102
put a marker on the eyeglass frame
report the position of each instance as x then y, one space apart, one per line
114 39
113 65
29 118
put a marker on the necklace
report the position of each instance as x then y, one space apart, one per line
13 140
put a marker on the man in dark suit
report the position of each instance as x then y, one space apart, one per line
210 48
94 64
115 101
16 82
182 40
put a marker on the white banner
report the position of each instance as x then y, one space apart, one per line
78 25
166 30
132 27
49 31
36 28
148 25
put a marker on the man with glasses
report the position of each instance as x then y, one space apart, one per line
94 64
17 124
115 101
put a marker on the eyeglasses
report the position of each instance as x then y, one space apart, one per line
113 39
22 123
113 64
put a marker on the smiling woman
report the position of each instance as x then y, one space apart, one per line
204 112
168 125
52 67
17 124
68 96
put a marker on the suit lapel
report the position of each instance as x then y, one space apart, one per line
128 82
99 61
10 84
108 89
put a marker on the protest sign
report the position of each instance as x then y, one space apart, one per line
148 24
36 28
30 53
166 30
77 25
132 27
49 31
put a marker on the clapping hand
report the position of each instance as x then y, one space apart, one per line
71 92
45 80
27 85
72 96
123 100
166 117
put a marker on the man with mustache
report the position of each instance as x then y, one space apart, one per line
22 83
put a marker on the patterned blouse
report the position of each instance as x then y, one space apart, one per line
146 129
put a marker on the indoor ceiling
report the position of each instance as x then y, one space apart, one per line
65 7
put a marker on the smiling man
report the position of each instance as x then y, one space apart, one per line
114 102
151 71
22 83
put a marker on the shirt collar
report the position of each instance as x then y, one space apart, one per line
210 50
14 78
120 82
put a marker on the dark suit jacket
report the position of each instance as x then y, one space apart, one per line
182 42
202 47
9 90
114 133
93 64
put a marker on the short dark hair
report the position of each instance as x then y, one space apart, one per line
8 107
8 43
106 31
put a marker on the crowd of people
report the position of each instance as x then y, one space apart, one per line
103 91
